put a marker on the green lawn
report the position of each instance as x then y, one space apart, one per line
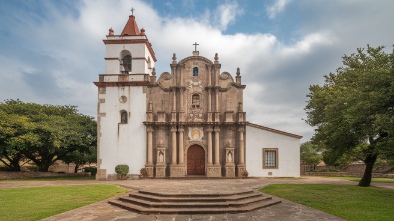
374 180
40 202
346 201
52 178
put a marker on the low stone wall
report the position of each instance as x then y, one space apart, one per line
30 174
375 175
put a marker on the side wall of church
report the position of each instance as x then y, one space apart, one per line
122 143
288 150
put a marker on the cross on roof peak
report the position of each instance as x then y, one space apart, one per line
132 11
195 46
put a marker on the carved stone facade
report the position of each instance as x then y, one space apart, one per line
187 122
197 106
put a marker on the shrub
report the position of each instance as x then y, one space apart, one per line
122 170
91 170
144 172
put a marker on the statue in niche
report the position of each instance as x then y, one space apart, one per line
230 157
161 157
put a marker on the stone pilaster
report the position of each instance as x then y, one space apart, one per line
241 168
181 145
173 146
209 134
149 163
217 141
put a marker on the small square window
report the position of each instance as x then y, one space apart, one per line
270 158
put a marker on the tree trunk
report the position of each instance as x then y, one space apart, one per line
76 168
367 177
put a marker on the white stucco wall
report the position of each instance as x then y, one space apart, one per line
123 143
288 153
137 51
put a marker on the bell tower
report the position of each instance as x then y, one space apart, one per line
121 109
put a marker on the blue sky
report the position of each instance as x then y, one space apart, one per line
52 51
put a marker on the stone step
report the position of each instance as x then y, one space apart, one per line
195 194
150 202
194 210
200 204
191 198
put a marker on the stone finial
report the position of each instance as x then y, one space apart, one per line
154 71
142 31
174 57
111 32
216 57
238 71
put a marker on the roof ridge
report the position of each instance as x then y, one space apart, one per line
274 130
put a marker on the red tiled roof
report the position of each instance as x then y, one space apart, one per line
274 130
131 27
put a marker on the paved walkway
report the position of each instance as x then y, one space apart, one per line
101 211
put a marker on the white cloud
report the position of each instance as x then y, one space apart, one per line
277 7
227 14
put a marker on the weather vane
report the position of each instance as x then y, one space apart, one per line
132 11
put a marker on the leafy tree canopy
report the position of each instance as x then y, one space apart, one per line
310 153
43 133
354 108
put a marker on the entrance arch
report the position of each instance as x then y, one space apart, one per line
195 160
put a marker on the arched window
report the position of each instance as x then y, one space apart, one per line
126 62
195 71
123 117
195 101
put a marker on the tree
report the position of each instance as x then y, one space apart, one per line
355 107
48 134
14 130
81 158
310 154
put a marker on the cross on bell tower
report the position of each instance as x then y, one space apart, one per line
132 11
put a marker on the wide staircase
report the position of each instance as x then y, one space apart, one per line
149 202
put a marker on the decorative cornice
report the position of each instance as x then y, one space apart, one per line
121 84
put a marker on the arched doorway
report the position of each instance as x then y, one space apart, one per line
195 160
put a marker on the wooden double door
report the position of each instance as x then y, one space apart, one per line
195 160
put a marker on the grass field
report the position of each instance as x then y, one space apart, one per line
374 180
41 202
52 178
345 201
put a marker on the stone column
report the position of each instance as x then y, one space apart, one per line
173 113
149 163
173 135
177 170
241 168
150 141
217 130
181 152
209 130
181 105
241 146
213 170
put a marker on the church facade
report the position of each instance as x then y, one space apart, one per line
186 122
